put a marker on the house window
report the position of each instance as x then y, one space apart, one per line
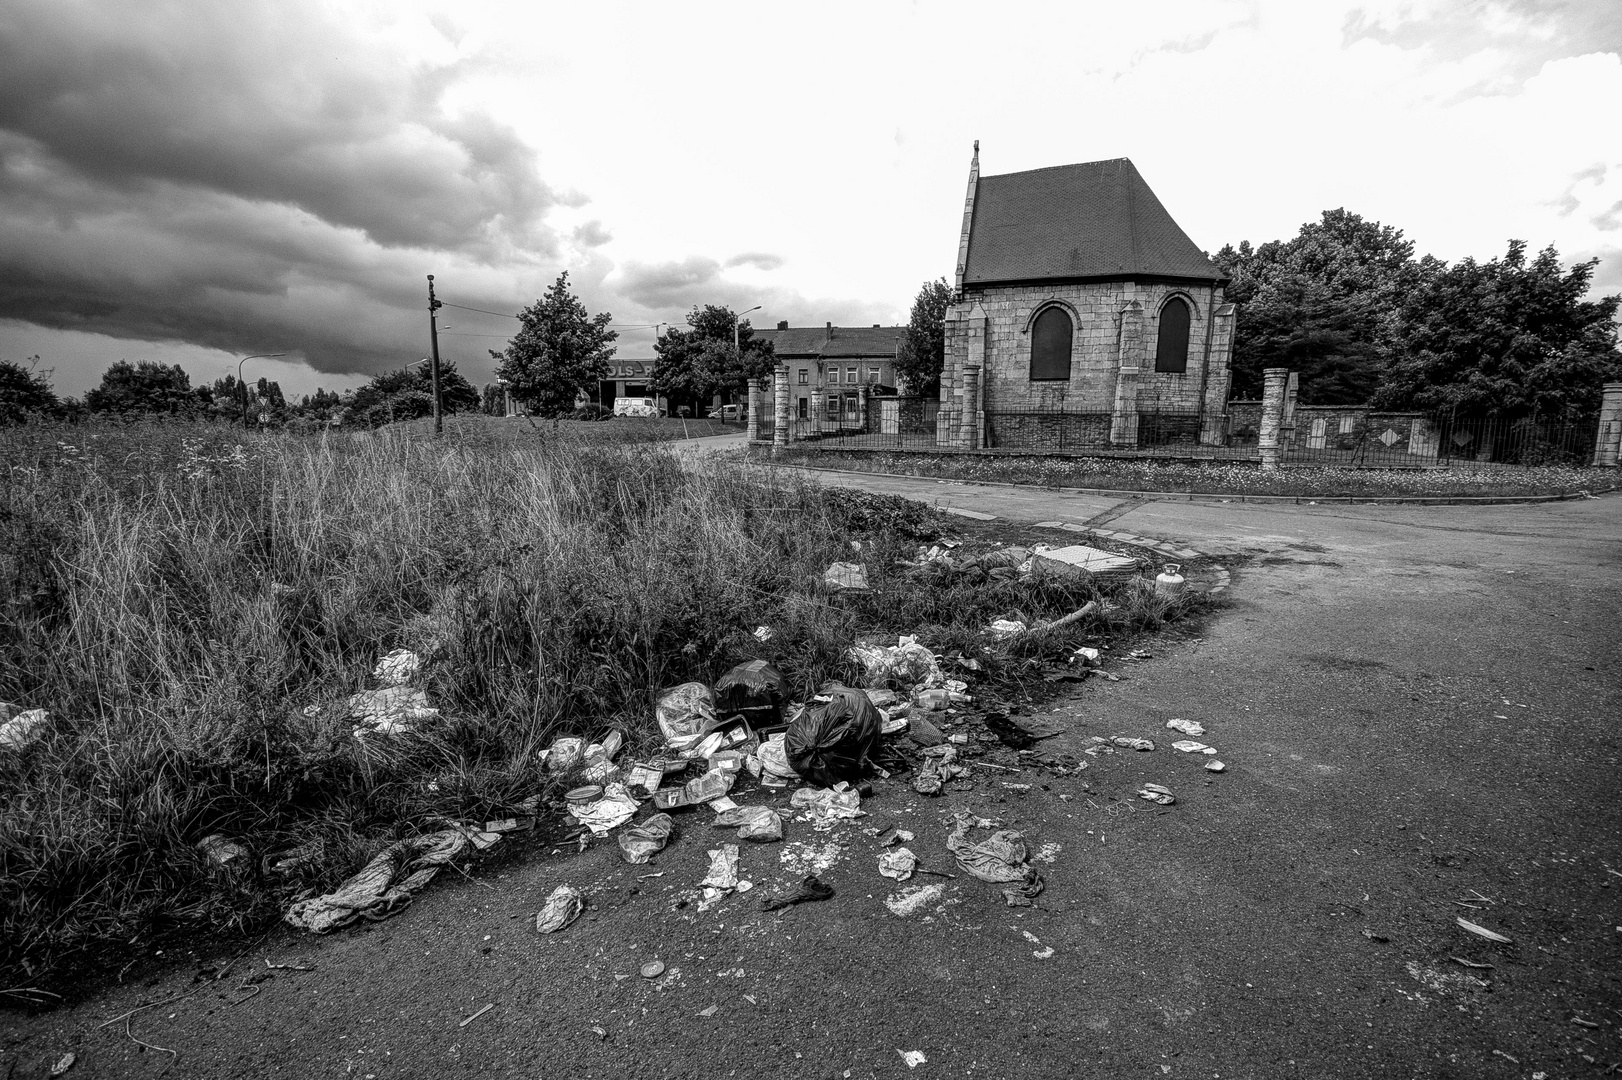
1050 345
1171 347
804 405
873 375
805 376
833 407
850 376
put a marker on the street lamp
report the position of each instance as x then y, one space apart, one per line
737 321
244 389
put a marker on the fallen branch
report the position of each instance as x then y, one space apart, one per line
1089 608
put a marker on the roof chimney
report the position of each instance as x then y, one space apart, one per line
782 324
875 326
829 336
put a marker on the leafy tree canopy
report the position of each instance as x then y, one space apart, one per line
409 394
144 387
559 350
699 362
923 353
24 393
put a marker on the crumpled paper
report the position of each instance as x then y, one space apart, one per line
614 809
384 886
643 842
561 908
898 863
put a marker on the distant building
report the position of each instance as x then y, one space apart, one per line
1080 308
833 369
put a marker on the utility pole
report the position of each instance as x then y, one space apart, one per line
433 336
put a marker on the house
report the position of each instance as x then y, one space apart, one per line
626 378
832 370
1082 316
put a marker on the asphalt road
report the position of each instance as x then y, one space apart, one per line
1417 707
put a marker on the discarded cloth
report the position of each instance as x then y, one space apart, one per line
810 888
898 863
1000 858
905 665
384 886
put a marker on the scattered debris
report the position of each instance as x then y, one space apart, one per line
653 969
21 727
761 824
763 634
709 1011
1373 936
565 753
1582 1023
398 668
831 742
913 1058
1126 743
392 710
723 868
221 851
1187 727
810 888
845 577
384 886
602 815
1001 629
922 732
773 758
63 1064
711 785
1081 557
1021 734
912 900
1470 963
476 1015
825 806
906 664
641 843
1025 893
685 711
1043 953
562 907
1189 746
755 690
898 863
1482 931
1215 766
1157 793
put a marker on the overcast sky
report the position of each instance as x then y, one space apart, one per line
193 182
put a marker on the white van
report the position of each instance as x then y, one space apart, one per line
636 406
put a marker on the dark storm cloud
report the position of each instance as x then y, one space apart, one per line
242 175
670 284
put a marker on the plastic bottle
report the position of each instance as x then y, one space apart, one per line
1169 584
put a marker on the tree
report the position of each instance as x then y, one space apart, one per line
923 353
24 393
559 351
1323 303
145 387
1507 336
698 363
409 394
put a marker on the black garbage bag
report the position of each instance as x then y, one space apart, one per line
755 690
831 742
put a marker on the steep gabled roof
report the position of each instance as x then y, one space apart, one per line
847 342
1094 220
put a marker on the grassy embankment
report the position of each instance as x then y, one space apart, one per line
177 601
1222 478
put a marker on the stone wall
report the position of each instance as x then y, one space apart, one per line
1115 331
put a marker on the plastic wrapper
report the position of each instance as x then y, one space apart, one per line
845 577
831 742
712 785
773 757
565 753
685 710
755 690
723 868
614 809
398 667
389 711
761 824
904 665
648 839
21 728
561 908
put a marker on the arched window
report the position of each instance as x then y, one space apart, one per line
1171 347
1050 345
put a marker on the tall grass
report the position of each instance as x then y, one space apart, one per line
194 614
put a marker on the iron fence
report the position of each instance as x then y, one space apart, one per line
1342 435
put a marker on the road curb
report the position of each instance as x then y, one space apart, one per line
1198 496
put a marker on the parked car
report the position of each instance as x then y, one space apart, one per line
645 407
734 413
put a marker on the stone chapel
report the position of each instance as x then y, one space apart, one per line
1082 316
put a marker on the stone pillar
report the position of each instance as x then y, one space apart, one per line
780 433
1608 441
861 405
969 427
1214 429
1123 425
1276 379
753 420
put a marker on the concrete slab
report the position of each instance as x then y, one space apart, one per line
1090 559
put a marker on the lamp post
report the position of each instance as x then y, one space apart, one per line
244 389
737 321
